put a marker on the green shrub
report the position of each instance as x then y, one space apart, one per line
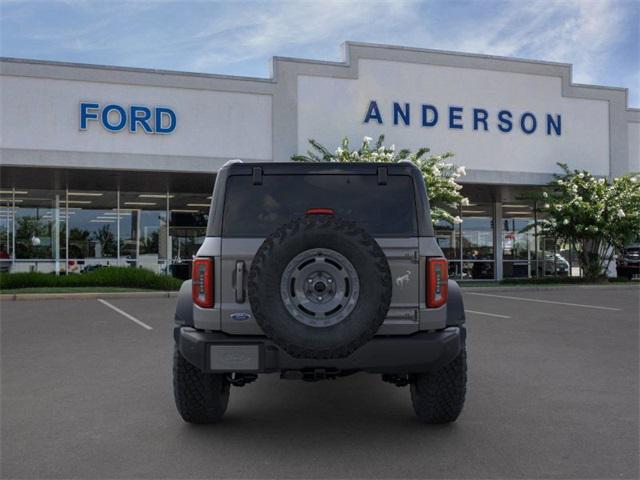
103 277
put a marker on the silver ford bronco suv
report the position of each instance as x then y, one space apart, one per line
318 271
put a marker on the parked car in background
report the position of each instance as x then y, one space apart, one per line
553 264
628 263
5 262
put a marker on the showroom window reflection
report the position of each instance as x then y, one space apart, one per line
469 246
519 250
448 237
478 225
91 218
68 231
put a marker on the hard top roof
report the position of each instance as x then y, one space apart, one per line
275 168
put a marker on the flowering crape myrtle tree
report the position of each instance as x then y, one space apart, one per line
596 216
439 175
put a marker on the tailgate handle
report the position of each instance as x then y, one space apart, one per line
239 281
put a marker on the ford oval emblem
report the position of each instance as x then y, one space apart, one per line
240 316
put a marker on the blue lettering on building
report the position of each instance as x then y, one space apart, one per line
429 116
455 118
162 125
115 118
88 111
373 112
399 112
140 116
480 116
121 118
555 124
472 118
504 121
528 127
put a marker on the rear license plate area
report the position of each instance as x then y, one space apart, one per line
234 358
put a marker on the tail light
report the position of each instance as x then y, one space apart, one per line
320 211
202 282
437 282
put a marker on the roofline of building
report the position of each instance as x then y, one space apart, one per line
157 71
347 47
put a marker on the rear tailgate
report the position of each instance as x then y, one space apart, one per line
253 210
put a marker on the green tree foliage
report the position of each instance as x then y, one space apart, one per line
107 240
595 215
29 228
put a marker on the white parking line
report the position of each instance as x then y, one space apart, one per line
542 301
485 313
125 314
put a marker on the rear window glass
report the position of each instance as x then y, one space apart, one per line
257 210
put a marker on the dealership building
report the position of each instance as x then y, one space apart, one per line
106 165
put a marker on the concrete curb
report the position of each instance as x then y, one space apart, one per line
173 294
84 296
534 288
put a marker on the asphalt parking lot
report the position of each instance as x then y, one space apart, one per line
552 393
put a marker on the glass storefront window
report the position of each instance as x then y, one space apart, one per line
448 238
468 246
477 241
518 240
162 231
477 232
39 230
6 230
92 230
553 259
477 270
34 233
77 230
144 229
128 235
188 228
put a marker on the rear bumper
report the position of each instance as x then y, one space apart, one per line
420 352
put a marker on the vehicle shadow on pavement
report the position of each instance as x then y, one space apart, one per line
292 409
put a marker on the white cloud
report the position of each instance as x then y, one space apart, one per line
272 27
240 37
573 31
581 32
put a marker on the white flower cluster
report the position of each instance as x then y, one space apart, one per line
595 215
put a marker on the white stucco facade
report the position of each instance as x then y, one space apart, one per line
50 107
634 146
218 117
330 107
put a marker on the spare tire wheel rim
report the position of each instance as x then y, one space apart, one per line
320 287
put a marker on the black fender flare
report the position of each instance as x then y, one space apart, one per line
455 305
184 308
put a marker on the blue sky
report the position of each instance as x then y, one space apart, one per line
601 38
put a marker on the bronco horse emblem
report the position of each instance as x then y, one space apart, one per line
404 279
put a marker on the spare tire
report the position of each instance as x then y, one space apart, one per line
320 287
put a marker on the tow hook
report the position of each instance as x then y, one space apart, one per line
241 379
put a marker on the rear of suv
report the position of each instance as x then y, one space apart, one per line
317 271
